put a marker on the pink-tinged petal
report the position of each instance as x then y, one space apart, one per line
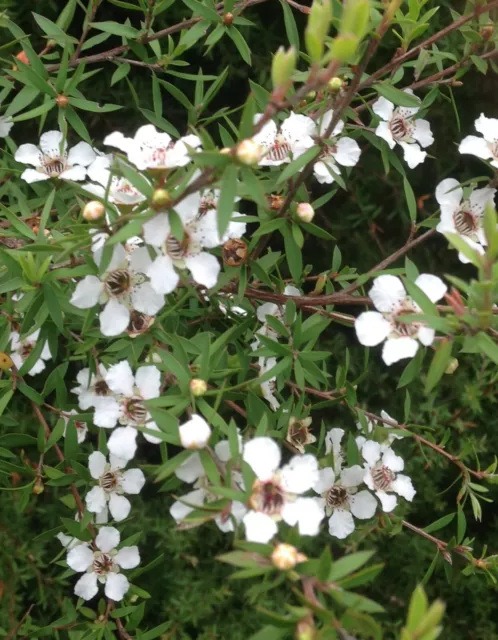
341 524
371 328
163 276
119 378
82 154
123 442
204 268
96 464
114 319
413 154
263 456
146 300
449 192
347 152
488 127
396 349
326 479
116 586
148 381
387 500
476 147
87 292
422 133
128 557
80 558
107 539
363 505
87 587
403 486
119 506
259 527
387 292
433 287
157 230
426 336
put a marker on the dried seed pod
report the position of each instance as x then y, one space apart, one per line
234 252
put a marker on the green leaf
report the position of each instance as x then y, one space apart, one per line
346 565
202 10
438 365
418 608
487 346
52 297
290 25
440 523
121 72
297 164
396 96
228 191
410 199
37 111
124 30
5 399
240 43
292 254
88 105
461 246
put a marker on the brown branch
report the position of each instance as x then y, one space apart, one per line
299 7
13 633
88 20
442 546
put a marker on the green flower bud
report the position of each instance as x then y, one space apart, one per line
344 47
452 366
355 18
283 66
160 199
317 28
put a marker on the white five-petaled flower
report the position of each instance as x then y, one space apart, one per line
381 475
276 493
286 142
80 426
344 151
463 216
21 349
52 159
103 566
91 387
152 149
198 213
113 482
371 425
192 471
119 190
485 147
392 302
400 126
126 406
195 433
122 289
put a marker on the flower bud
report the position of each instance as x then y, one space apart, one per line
62 101
234 252
6 361
319 20
249 152
355 18
283 66
195 433
93 210
344 47
275 201
335 84
22 57
38 486
486 32
305 212
198 387
452 366
285 556
160 199
228 19
306 629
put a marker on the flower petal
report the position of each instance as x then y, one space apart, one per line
300 474
387 500
476 147
87 587
114 319
96 464
383 108
148 381
157 230
116 586
352 476
422 133
433 287
403 486
87 292
204 268
28 154
132 481
181 508
119 506
347 152
488 127
387 292
191 469
333 440
163 276
449 192
383 131
152 426
371 452
128 557
81 154
426 335
107 412
263 456
259 527
307 513
326 478
396 349
120 378
50 143
80 558
371 328
341 524
363 505
391 460
95 500
123 442
413 154
195 433
107 539
31 175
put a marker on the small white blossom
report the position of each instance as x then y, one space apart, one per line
464 216
381 475
119 190
333 439
287 142
52 159
91 387
198 213
80 426
400 126
486 147
195 433
22 348
113 482
152 149
122 289
276 493
392 302
344 151
103 566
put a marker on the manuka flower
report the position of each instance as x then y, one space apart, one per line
463 216
113 482
52 159
122 289
298 433
91 387
195 433
340 496
119 190
485 147
200 226
103 566
381 475
152 149
22 348
344 151
126 406
276 493
286 142
80 426
400 126
392 303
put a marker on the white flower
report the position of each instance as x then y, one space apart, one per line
463 217
399 126
52 160
195 433
119 190
81 427
276 492
21 350
103 566
126 407
289 141
122 289
91 387
6 125
333 440
192 471
382 477
390 298
485 147
388 440
152 149
344 151
198 213
112 483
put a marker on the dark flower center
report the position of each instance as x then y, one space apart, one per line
267 497
175 248
117 282
26 349
405 329
53 167
337 497
138 322
109 481
399 127
102 564
298 433
101 388
465 222
279 150
136 411
382 477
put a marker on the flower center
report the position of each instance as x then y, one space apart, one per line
101 388
336 497
405 329
53 167
400 128
267 497
26 349
207 204
136 411
109 481
329 150
81 426
279 150
117 282
175 248
382 477
465 222
102 563
298 433
139 322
